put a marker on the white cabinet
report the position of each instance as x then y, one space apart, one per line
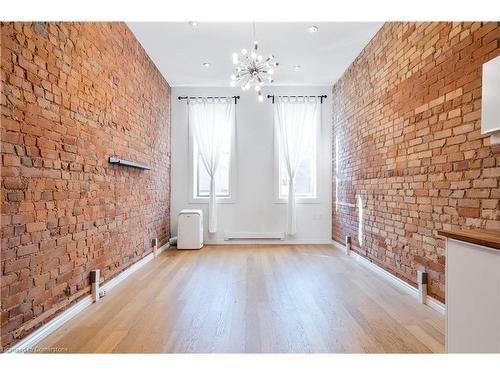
490 103
472 295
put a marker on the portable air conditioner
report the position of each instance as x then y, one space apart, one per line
190 230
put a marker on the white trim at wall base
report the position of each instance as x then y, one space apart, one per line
26 345
431 302
267 242
134 267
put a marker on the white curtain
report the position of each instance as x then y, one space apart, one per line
292 118
210 121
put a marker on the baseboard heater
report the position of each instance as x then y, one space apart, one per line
228 236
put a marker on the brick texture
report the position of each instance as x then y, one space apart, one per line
407 140
74 94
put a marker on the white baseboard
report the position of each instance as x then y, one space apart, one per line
26 345
134 267
267 242
431 302
162 248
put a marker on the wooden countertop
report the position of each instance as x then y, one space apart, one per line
487 238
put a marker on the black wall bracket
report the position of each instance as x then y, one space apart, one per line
127 163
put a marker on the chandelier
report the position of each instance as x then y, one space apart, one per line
252 70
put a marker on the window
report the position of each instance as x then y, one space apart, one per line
306 175
305 179
212 126
201 179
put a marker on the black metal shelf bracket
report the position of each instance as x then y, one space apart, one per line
127 163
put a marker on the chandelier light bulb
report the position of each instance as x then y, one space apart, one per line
271 71
261 98
233 77
253 55
257 88
232 83
244 51
259 58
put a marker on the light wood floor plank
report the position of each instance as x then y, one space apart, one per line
254 299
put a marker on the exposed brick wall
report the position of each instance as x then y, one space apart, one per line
72 95
407 116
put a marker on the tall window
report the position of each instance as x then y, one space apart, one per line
211 125
306 175
201 179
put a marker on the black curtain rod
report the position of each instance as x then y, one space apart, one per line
300 96
210 97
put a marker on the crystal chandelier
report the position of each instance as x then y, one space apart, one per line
252 70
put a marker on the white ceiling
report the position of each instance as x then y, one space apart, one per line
179 49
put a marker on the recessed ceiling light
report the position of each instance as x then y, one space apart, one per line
296 67
193 23
312 29
206 64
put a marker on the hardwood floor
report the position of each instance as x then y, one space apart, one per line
257 299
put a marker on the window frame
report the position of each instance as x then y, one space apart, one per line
298 199
193 198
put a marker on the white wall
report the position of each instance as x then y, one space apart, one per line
254 208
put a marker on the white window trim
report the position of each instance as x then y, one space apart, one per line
192 199
276 173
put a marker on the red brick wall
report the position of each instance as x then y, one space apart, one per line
407 117
72 95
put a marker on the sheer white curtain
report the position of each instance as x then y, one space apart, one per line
210 121
292 118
